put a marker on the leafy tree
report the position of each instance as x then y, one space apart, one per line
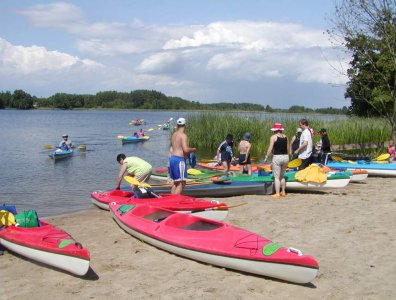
21 100
5 99
367 29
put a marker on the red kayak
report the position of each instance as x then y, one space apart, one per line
47 244
214 242
213 209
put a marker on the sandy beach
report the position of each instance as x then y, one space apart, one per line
351 232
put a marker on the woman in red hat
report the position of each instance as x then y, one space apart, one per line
279 148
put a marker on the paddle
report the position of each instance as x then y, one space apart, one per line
134 181
295 163
337 158
384 156
80 147
222 207
150 129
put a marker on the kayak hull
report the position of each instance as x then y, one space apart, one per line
373 169
57 155
42 244
133 139
215 243
210 209
226 189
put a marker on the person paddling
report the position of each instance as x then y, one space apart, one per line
65 144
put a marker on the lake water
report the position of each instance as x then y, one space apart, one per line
30 179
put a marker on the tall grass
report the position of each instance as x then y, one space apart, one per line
208 129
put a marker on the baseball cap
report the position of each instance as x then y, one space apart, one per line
181 121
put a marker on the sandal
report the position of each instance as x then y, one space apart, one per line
282 194
275 196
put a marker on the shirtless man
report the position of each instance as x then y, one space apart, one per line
177 161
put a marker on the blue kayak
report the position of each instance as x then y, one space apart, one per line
134 139
59 154
385 169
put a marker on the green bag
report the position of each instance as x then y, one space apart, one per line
27 218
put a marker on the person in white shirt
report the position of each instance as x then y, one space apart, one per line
304 151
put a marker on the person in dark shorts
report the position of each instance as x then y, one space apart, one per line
225 154
244 154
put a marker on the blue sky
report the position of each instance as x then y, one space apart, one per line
268 52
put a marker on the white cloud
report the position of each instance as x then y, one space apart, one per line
22 60
179 59
53 15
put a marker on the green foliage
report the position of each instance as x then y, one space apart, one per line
19 99
368 29
145 99
208 129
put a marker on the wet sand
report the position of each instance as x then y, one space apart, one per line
351 232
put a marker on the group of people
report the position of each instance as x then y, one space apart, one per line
301 146
142 170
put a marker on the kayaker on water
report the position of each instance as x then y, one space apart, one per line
279 148
135 167
65 144
140 133
177 161
244 154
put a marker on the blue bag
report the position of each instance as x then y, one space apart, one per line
10 208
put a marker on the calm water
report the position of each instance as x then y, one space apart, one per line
30 179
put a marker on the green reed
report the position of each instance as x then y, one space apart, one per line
208 129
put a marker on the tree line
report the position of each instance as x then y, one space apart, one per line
138 99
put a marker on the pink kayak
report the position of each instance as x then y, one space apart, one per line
214 242
47 244
211 209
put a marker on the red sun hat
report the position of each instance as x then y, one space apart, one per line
277 127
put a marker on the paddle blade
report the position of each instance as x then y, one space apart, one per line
294 163
194 172
265 168
150 129
82 147
337 158
384 156
120 136
48 147
131 180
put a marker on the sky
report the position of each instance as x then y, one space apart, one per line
267 52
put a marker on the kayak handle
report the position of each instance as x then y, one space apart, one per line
78 245
294 250
215 201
